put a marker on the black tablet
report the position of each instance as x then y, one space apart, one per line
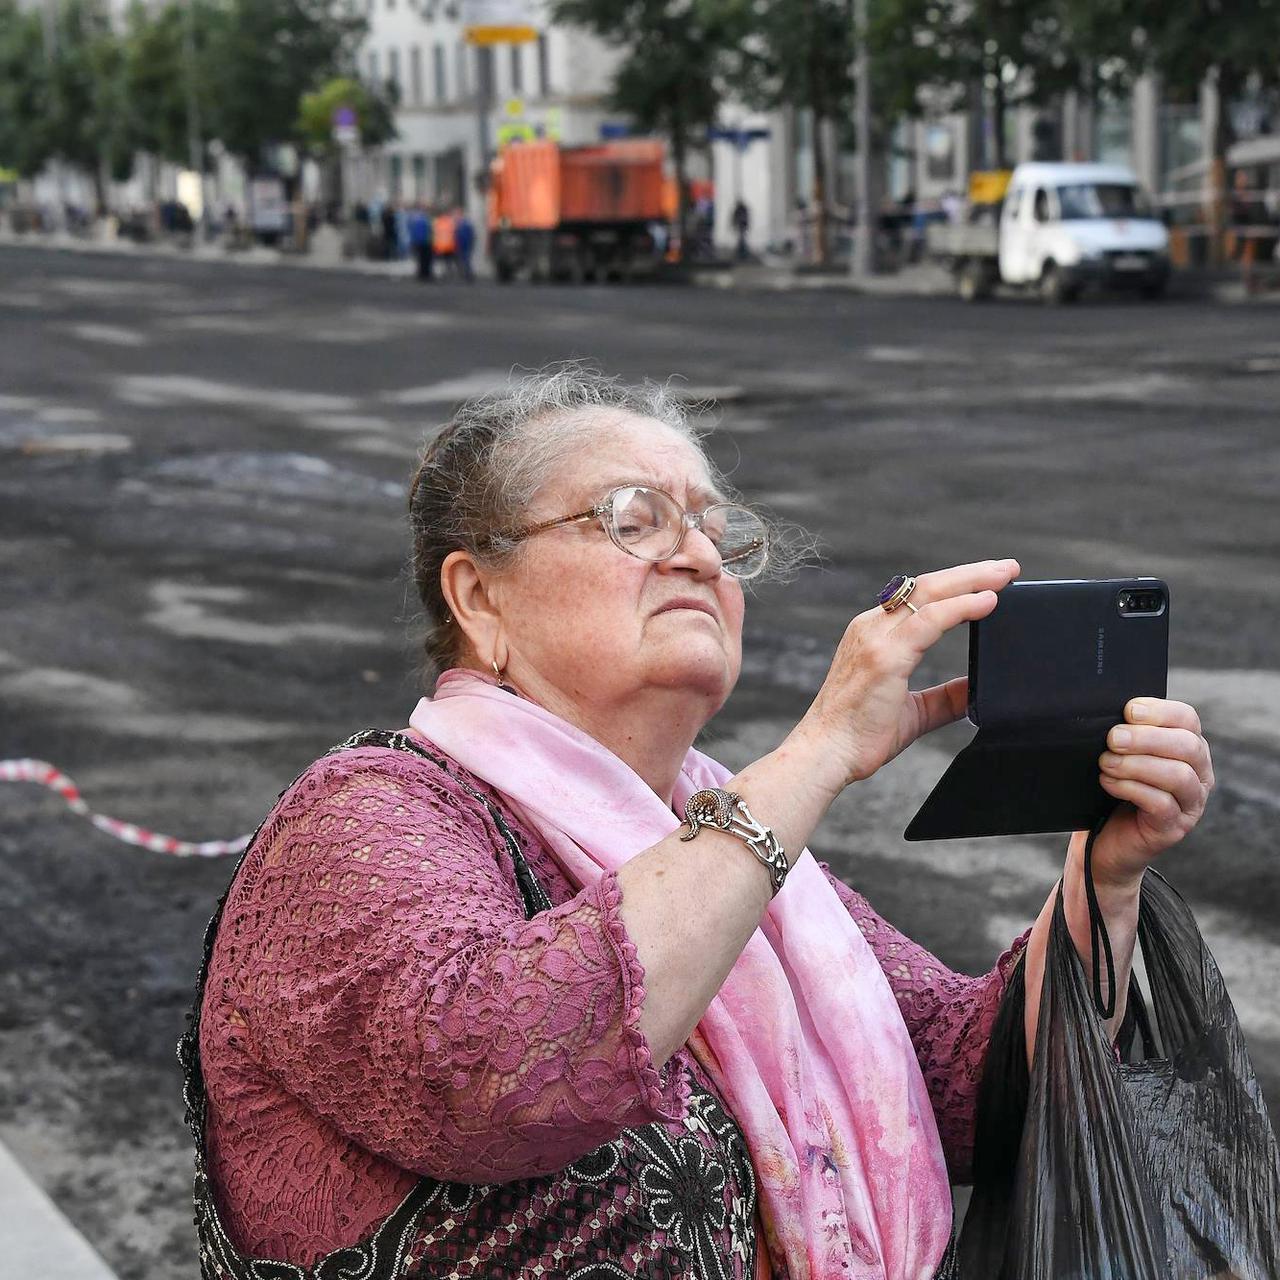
1050 671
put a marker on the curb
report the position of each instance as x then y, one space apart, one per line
36 1238
746 280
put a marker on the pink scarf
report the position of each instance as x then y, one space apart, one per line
804 1040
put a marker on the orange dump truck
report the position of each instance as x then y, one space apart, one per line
575 213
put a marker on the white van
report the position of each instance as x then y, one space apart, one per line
1062 228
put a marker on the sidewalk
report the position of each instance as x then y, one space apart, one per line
36 1241
922 280
258 256
929 280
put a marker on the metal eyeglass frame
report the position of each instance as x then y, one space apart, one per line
603 511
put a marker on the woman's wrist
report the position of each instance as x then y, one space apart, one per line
817 768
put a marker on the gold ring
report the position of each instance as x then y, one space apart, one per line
895 593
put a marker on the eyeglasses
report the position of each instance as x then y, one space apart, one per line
651 525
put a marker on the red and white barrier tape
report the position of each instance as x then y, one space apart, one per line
47 775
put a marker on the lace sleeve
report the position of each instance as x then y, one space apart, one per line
949 1016
382 970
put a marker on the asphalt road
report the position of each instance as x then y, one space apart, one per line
202 543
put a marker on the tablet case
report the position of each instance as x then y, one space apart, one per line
1050 671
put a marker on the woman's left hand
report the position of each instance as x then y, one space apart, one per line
1159 762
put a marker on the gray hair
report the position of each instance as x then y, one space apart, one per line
479 475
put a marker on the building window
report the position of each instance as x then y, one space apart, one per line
373 67
415 75
393 68
460 75
939 153
397 176
1113 131
517 68
437 67
419 177
544 68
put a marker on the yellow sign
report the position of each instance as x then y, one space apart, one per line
498 22
988 186
509 133
500 35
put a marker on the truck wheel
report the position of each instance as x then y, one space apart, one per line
503 272
973 282
1154 291
1054 289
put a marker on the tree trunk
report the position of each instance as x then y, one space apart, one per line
1223 136
100 188
820 246
680 159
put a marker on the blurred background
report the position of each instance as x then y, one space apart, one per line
947 280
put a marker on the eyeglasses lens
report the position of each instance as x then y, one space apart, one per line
646 522
741 537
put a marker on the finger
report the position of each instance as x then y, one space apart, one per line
965 579
1176 777
1159 806
1172 744
943 703
1162 711
925 628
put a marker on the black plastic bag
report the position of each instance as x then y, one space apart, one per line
1162 1166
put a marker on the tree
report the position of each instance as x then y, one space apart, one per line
374 113
25 143
263 56
62 92
1232 46
674 72
157 67
800 53
1016 51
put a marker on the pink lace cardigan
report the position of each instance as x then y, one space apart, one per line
378 1007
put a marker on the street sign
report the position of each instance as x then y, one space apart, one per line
346 126
498 22
740 138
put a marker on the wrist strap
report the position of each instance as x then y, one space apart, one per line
1098 932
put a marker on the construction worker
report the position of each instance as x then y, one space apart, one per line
444 239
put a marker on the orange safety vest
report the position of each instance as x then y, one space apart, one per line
442 234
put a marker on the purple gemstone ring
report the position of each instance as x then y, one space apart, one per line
895 593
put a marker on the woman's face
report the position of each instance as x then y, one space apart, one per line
601 626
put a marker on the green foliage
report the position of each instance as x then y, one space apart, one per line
264 55
163 46
1194 39
375 113
25 144
677 60
73 85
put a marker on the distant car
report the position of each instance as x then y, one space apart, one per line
1062 228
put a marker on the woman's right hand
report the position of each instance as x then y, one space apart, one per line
865 714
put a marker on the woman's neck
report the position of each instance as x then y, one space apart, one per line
650 732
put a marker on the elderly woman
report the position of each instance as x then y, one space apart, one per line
532 988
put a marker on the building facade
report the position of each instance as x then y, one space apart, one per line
458 101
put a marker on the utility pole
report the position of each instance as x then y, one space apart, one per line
862 260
